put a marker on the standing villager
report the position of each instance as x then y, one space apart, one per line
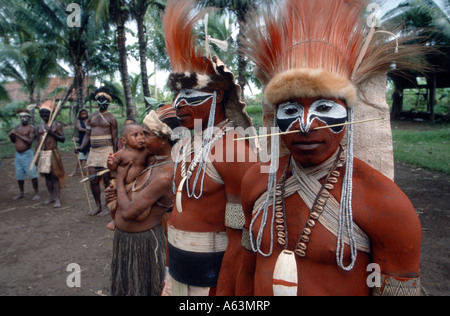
102 135
139 253
23 136
204 230
50 164
323 214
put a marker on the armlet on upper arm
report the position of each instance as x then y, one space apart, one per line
234 216
395 286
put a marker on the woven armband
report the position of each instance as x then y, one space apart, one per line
394 286
246 242
234 216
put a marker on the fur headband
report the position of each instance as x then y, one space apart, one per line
307 83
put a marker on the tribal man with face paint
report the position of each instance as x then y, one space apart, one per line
320 219
204 230
50 164
23 136
102 135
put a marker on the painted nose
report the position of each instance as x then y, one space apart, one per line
180 103
301 126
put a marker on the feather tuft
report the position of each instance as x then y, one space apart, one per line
180 19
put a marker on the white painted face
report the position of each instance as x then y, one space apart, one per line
326 111
188 97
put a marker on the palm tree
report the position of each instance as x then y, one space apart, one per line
138 9
240 9
153 24
48 19
117 12
28 61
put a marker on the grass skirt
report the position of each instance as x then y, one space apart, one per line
138 263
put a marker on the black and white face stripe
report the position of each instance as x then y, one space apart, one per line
192 98
326 111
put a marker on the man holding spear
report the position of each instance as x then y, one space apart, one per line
50 164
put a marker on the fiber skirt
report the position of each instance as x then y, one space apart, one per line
138 263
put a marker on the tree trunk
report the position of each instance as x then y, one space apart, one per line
143 58
121 42
432 98
32 101
242 62
31 93
79 84
397 101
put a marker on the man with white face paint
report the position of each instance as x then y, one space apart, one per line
204 230
316 223
23 136
102 135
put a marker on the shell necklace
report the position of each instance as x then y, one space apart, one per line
285 276
315 212
199 160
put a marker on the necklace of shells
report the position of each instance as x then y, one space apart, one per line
199 158
285 276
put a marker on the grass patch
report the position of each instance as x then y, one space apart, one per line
256 113
428 149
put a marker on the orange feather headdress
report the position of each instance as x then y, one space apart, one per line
47 105
309 48
323 49
190 68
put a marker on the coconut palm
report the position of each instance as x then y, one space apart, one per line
239 9
138 9
117 12
28 61
48 19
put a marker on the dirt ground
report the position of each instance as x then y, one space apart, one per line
38 242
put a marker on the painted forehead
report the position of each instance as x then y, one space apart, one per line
327 111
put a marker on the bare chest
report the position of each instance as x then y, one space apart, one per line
101 121
296 231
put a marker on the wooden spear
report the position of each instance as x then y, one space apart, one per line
52 118
82 175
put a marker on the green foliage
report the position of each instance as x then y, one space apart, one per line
8 117
428 149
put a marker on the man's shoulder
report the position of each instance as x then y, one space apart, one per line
109 115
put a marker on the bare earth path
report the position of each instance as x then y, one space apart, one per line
37 242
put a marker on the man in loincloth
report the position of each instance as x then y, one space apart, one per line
102 135
323 222
23 136
139 252
50 165
204 230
